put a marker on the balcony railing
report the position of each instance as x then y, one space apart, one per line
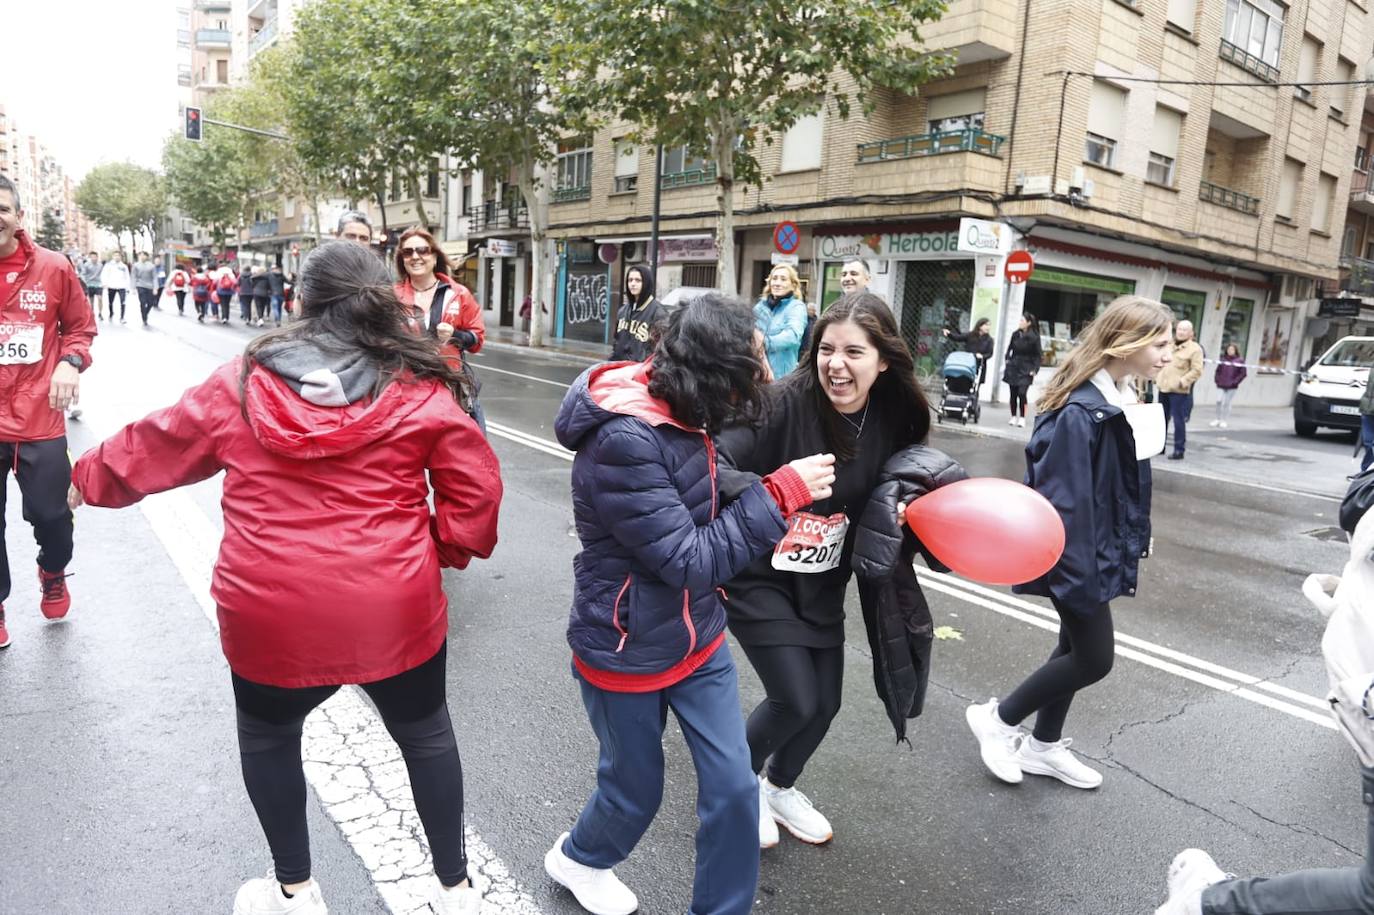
1244 59
264 229
1357 275
565 194
212 38
264 36
491 218
931 144
688 178
1225 197
207 6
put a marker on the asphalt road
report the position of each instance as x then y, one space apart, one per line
119 783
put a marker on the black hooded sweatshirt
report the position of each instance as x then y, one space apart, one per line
634 329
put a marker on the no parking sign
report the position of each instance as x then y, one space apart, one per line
786 237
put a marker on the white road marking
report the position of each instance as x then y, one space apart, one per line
350 760
492 368
530 441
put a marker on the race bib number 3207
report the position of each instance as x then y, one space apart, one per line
21 344
812 543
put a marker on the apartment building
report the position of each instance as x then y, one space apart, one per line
211 49
1347 307
1132 147
44 186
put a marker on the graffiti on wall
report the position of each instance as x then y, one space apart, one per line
587 299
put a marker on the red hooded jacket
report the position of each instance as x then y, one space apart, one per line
48 293
329 568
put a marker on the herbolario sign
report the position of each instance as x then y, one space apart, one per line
892 246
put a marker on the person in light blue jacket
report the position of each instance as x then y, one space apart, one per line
781 317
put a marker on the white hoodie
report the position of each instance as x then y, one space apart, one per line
115 275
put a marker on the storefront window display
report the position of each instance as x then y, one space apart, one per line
936 295
1278 332
1236 326
1064 301
1186 304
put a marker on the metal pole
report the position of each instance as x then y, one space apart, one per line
263 133
653 225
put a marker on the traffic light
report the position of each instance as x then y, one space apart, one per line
192 123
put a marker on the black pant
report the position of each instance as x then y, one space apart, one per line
146 300
413 708
1018 398
109 300
245 306
1084 655
804 687
44 472
263 304
181 301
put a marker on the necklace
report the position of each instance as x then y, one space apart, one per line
859 426
429 287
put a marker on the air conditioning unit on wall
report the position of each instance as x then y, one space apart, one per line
634 252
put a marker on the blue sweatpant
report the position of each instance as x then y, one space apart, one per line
629 782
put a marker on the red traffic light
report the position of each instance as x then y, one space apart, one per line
192 125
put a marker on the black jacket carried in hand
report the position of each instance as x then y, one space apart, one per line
896 615
634 330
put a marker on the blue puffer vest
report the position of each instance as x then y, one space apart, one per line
656 544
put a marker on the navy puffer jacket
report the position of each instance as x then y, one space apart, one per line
656 543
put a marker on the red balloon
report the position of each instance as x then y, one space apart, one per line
995 531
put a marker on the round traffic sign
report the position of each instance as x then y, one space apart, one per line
786 237
1019 266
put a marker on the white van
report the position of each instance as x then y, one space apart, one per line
1330 391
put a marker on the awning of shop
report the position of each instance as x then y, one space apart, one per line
634 238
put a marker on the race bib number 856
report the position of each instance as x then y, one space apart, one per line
21 344
812 543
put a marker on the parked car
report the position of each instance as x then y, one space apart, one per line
1330 391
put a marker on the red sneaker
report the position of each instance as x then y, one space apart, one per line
4 633
56 599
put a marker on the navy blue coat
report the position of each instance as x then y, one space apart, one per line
656 543
1082 458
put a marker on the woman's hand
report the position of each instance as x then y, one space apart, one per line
74 499
901 514
945 331
817 472
444 331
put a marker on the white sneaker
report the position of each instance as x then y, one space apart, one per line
794 811
997 741
1056 761
1021 421
768 827
263 896
1222 424
1012 421
259 322
598 891
1214 423
461 900
1191 872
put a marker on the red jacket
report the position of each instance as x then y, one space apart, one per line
48 293
460 309
329 567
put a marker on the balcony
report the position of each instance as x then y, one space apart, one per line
1357 275
1361 194
689 178
212 38
265 229
931 144
1247 61
974 30
568 194
489 217
1225 197
263 37
213 6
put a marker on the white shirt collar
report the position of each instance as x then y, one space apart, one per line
1117 396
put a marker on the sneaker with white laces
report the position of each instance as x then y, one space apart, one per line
797 815
597 890
768 827
460 900
1056 761
997 741
264 896
1191 872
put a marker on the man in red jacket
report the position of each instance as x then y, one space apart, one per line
46 329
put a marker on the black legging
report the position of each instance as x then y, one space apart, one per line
262 303
1084 655
1018 398
181 301
413 708
804 688
109 300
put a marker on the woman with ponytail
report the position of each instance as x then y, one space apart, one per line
326 430
1088 460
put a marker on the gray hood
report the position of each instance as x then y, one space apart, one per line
322 370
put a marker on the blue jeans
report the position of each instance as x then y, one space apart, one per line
1176 410
277 300
1367 439
629 782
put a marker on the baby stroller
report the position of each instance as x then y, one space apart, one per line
960 398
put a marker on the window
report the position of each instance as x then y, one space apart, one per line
1256 27
1309 61
1361 159
221 71
1183 13
1349 240
1289 182
1164 147
432 179
395 186
626 166
574 165
1340 95
467 197
1106 120
288 207
1235 327
1324 203
678 160
801 145
958 111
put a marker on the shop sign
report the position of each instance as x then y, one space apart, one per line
978 236
500 247
791 260
581 252
893 245
1045 275
687 249
1339 308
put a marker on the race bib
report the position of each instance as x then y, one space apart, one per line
21 344
812 543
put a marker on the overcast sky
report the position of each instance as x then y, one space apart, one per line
94 80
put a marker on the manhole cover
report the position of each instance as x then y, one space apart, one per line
1327 534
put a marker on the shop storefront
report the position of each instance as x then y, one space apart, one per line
584 294
1063 301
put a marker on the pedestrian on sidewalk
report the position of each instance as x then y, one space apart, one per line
145 285
114 276
1230 373
1022 363
327 430
244 287
859 400
262 294
180 282
161 273
1175 385
978 341
226 282
90 277
647 627
201 284
640 315
45 344
276 284
1083 458
781 315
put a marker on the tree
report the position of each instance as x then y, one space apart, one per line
123 197
718 76
214 181
52 234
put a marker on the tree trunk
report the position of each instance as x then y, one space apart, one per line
541 263
723 151
414 181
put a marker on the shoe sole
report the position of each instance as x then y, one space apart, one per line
6 643
802 836
551 868
968 717
1034 769
55 616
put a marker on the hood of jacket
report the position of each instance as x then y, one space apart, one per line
605 392
307 399
646 294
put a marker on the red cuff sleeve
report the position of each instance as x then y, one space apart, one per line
788 489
